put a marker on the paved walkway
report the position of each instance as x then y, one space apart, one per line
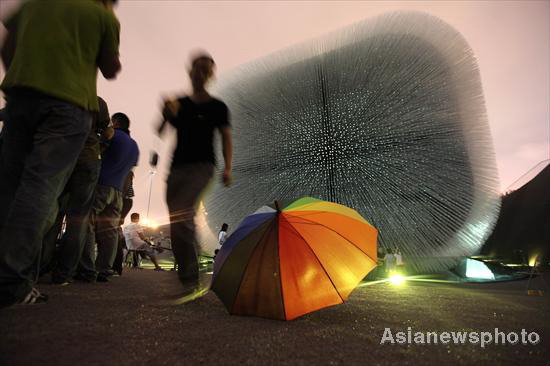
132 320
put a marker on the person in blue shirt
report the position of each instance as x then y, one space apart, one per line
119 158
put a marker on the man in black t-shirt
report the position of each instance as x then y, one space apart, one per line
195 118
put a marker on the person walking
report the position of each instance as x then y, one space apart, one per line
195 117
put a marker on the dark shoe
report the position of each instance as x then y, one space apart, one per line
159 269
61 280
83 278
34 297
187 276
102 278
189 284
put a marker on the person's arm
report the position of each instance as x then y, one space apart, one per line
103 121
227 148
108 59
109 65
161 127
8 48
139 231
170 110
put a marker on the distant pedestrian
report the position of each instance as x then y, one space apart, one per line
389 261
222 236
51 54
398 259
195 118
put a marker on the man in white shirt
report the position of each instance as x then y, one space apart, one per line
223 234
135 240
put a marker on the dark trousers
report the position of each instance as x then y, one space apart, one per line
185 186
103 230
52 239
77 200
41 140
119 259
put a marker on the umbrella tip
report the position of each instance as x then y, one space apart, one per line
277 206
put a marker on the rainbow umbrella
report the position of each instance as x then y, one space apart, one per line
283 264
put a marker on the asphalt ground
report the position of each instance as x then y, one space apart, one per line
139 319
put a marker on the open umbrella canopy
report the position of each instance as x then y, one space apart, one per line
283 264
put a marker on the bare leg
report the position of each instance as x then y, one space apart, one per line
154 260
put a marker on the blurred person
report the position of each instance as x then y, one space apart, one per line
398 258
195 117
117 161
222 234
51 54
135 240
389 261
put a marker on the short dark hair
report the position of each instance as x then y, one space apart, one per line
134 216
201 55
122 120
225 227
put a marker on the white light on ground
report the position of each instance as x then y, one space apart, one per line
397 279
478 269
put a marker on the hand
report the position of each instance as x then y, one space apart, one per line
154 159
108 133
226 177
170 109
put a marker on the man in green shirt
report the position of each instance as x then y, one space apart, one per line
51 54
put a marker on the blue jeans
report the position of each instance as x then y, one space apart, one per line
41 140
